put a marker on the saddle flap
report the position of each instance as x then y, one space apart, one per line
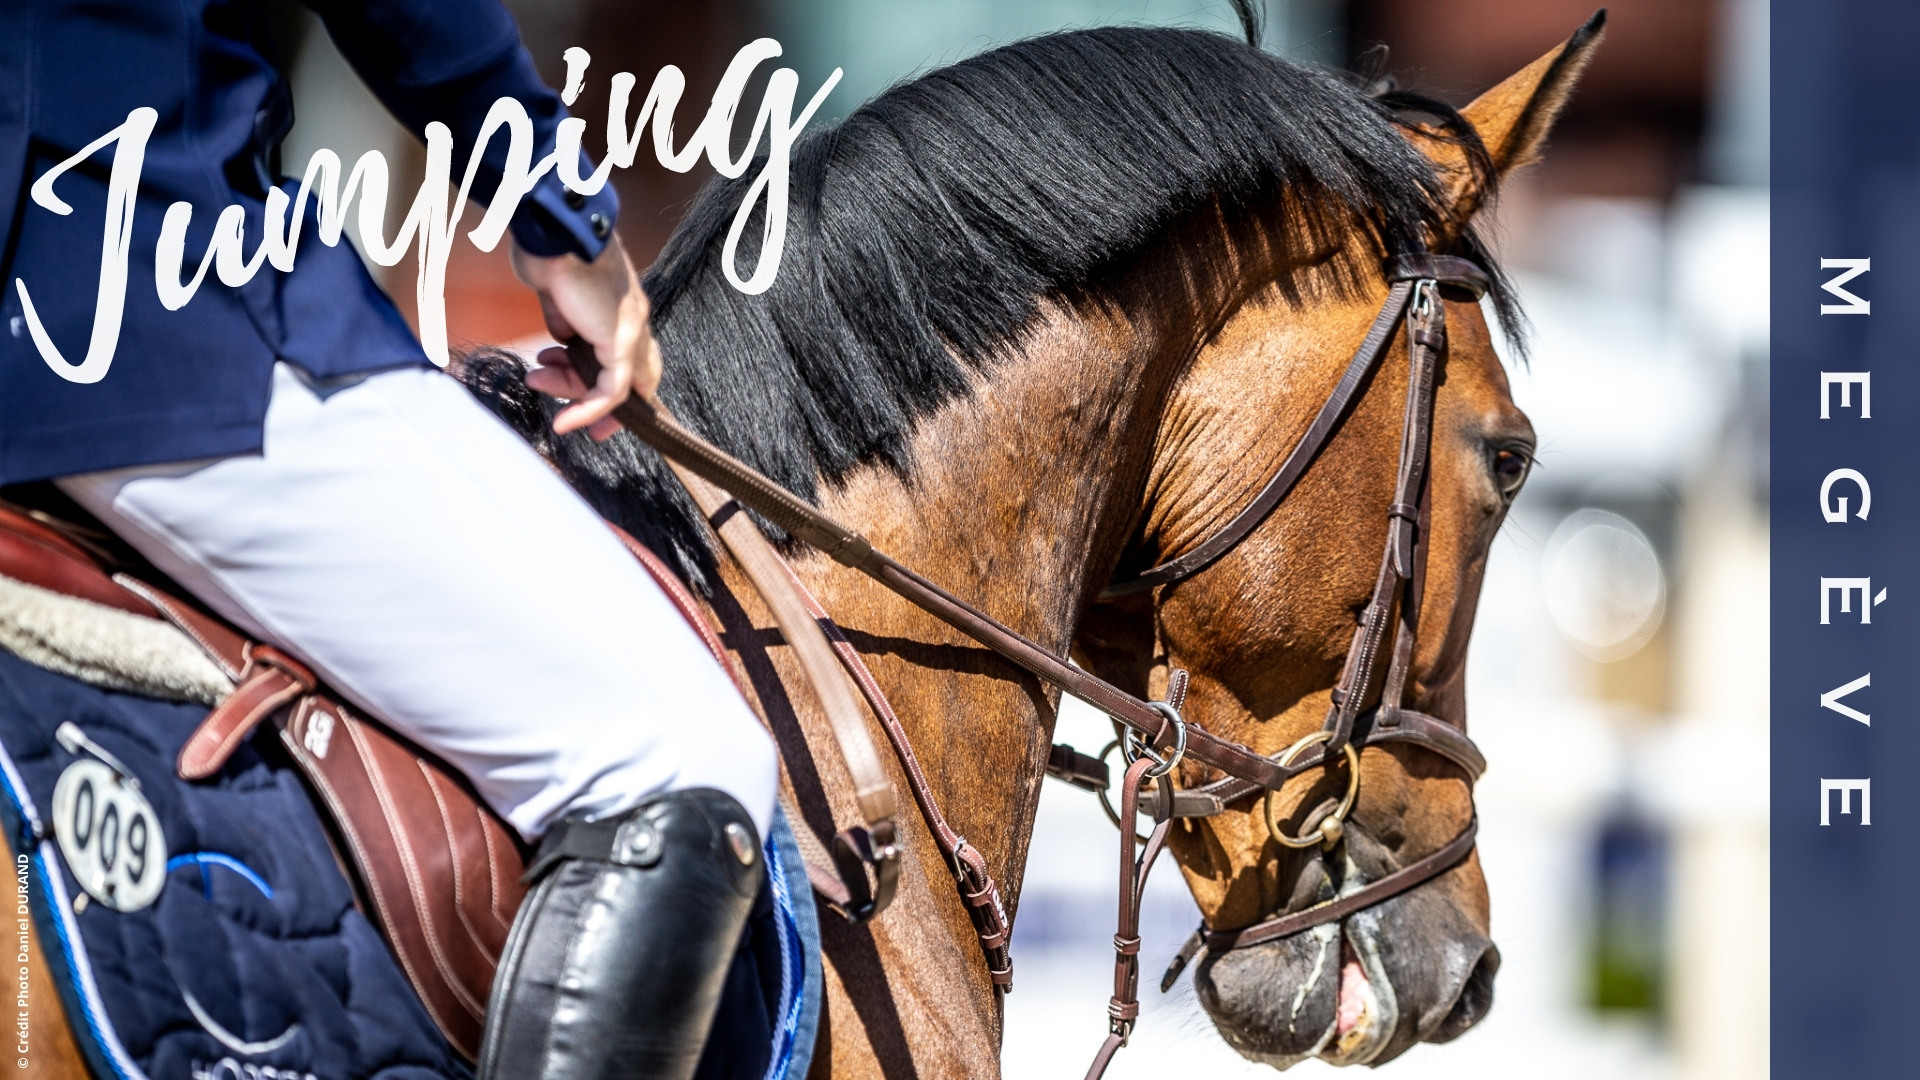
441 873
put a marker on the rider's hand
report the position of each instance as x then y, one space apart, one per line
602 302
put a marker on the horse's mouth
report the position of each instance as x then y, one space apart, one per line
1365 1012
1350 993
1340 1007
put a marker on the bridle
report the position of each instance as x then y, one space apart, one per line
1367 705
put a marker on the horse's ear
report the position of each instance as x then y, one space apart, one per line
1513 118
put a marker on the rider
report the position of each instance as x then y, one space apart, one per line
286 452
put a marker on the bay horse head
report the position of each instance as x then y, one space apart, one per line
1047 318
1266 630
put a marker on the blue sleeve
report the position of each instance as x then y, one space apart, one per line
449 60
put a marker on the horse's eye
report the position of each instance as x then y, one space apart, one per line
1510 467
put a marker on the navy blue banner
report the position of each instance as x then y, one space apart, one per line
1846 531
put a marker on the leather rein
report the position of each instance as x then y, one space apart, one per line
1367 707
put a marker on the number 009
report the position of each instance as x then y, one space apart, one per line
109 836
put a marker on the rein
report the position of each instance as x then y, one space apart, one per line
1367 704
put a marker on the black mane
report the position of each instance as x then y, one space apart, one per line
927 229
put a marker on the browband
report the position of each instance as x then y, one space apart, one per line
1460 279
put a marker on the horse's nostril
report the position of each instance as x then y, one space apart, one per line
1476 997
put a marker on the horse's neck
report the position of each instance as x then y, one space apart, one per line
1021 497
1021 494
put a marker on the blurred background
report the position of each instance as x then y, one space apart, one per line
1617 674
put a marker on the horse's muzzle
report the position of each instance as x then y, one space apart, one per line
1416 968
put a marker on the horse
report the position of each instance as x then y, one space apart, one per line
1050 316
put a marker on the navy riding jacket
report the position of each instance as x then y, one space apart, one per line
193 383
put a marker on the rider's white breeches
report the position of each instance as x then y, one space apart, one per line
437 573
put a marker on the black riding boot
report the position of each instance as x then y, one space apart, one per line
617 958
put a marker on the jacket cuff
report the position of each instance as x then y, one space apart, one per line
552 220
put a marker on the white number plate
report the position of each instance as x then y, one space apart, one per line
109 835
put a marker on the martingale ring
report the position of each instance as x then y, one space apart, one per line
1331 827
1133 749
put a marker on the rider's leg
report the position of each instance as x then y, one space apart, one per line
400 540
644 910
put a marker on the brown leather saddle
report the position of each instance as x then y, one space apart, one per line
435 870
